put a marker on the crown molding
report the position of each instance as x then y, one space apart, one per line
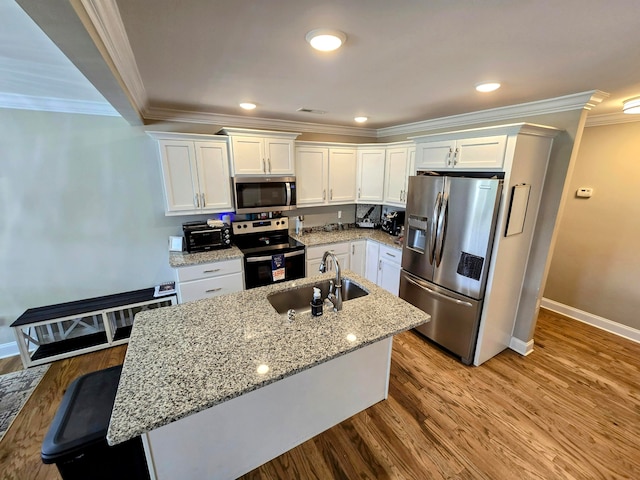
610 119
165 114
106 19
578 101
60 105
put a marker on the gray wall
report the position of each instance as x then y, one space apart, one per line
81 211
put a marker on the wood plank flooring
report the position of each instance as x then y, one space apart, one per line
570 410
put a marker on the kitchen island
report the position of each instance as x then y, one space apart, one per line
217 387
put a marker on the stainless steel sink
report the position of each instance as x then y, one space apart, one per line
299 299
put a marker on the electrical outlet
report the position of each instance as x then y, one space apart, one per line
584 192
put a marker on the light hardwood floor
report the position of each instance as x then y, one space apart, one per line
570 410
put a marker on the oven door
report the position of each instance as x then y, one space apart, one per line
264 194
259 270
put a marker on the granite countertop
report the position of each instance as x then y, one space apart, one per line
186 358
184 259
314 238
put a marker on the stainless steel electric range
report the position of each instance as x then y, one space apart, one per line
270 254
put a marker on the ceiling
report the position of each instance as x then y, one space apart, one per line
404 61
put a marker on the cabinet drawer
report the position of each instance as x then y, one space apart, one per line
391 254
207 270
337 248
210 287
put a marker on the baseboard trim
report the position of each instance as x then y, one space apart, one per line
9 349
521 347
591 319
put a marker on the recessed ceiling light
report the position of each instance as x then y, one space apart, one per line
248 105
487 87
325 40
361 119
631 106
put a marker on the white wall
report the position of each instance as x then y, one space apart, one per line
81 211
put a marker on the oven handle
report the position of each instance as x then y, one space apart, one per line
268 257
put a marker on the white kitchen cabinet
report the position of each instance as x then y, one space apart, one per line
195 173
325 175
397 164
371 262
389 266
357 258
462 153
370 175
342 251
261 152
209 280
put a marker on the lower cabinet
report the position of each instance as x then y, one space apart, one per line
383 265
209 280
350 255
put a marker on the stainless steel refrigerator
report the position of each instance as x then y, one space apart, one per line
449 230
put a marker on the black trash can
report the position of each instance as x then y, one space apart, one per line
77 438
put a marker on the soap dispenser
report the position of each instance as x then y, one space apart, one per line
316 303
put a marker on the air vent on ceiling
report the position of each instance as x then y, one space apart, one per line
311 110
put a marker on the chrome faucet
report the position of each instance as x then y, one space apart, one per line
335 294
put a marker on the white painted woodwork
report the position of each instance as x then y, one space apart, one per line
195 173
234 437
371 261
262 152
357 260
389 266
370 175
342 175
396 173
476 153
342 251
209 280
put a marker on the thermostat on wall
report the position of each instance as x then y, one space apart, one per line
584 192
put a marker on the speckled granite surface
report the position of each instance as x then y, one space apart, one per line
324 238
183 259
186 358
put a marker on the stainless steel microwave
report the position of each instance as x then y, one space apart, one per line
264 194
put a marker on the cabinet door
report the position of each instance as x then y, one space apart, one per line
389 275
342 175
180 176
313 266
483 152
279 154
371 266
311 180
210 287
358 256
370 181
213 176
436 155
248 155
396 178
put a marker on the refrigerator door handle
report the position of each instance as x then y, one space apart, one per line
434 230
420 284
442 226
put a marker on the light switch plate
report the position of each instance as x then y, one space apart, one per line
584 192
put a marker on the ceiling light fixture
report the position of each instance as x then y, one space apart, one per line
631 106
487 87
248 105
361 119
325 40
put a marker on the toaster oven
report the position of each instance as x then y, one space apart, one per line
200 236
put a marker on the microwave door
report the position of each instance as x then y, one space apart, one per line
465 234
423 199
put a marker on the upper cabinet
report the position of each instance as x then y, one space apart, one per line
399 165
261 152
195 173
325 175
473 153
370 174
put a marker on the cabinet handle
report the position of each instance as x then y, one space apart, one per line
212 271
264 165
379 264
358 193
203 202
455 157
449 156
324 194
353 249
269 163
390 254
197 200
213 290
331 194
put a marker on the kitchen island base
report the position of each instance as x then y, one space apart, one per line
234 437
